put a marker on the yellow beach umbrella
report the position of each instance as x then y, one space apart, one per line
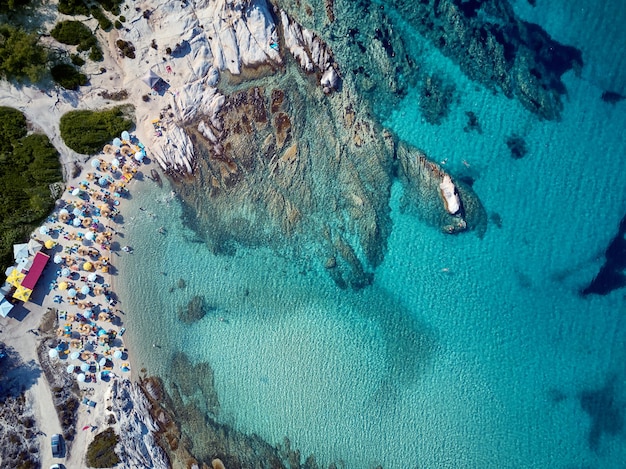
50 244
87 266
63 286
22 293
15 278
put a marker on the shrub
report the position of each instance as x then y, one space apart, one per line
87 132
21 57
77 60
28 165
127 48
71 32
96 53
111 5
68 76
101 451
73 7
123 19
118 24
103 21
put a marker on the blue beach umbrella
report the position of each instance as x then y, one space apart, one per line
85 290
88 314
125 136
72 292
95 163
117 142
65 272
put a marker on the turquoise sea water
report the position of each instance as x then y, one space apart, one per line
465 352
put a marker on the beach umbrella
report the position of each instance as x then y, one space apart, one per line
103 181
5 307
70 368
85 366
34 246
20 251
15 277
22 293
71 293
92 277
44 230
24 263
117 354
124 367
65 272
139 156
103 361
115 162
53 353
74 355
50 244
57 259
76 191
76 222
117 142
81 377
77 212
90 235
64 211
95 163
63 285
87 266
85 290
87 222
88 313
125 136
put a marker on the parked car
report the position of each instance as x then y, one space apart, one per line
57 466
57 445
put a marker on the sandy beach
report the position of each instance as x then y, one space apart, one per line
78 288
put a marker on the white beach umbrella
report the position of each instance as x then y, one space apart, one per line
90 235
44 230
74 355
65 272
117 354
64 211
70 368
95 163
76 191
53 353
85 289
88 313
92 277
81 377
84 366
72 293
57 259
125 136
115 162
76 222
103 361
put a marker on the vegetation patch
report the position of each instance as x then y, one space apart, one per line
29 164
103 20
87 132
68 76
127 48
21 56
73 7
71 32
101 451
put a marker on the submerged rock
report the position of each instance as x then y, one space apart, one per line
195 310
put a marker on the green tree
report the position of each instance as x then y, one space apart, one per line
21 56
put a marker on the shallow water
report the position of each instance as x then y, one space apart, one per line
465 352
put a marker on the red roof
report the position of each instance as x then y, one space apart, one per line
35 271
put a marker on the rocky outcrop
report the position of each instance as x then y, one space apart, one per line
136 428
494 47
311 52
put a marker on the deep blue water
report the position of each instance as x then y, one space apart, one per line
465 352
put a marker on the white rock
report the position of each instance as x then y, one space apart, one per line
450 195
